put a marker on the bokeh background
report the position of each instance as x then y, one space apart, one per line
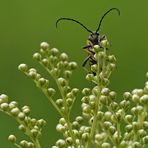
24 24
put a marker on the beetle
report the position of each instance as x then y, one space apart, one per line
93 39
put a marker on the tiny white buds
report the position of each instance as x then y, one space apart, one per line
51 91
104 43
12 138
23 67
64 57
37 56
44 45
72 65
3 98
54 51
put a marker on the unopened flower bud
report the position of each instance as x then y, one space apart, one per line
15 111
12 138
51 91
23 67
64 57
54 51
4 106
144 99
44 45
3 98
62 81
37 56
72 65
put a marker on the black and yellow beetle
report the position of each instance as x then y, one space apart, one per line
93 39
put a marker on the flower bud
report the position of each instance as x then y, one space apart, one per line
60 128
37 56
72 65
135 98
54 51
51 92
75 124
111 59
15 111
12 138
104 100
135 125
85 136
112 95
3 98
147 74
96 48
41 123
34 132
145 125
62 81
105 91
100 115
107 116
127 95
45 62
142 133
136 145
100 137
69 101
107 125
145 140
67 74
105 145
75 91
128 118
144 99
129 128
60 143
32 75
79 119
112 130
86 91
30 145
44 45
104 43
26 111
64 57
24 143
59 102
69 140
89 77
4 106
123 144
23 67
21 116
43 82
22 128
94 67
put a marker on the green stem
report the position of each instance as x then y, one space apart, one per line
28 133
94 124
37 144
66 116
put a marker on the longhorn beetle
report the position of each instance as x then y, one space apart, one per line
93 39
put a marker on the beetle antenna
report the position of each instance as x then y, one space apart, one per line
69 19
105 15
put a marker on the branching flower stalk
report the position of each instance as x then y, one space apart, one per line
29 126
105 121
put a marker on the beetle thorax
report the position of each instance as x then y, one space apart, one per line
94 38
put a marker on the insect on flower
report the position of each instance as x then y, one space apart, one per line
94 38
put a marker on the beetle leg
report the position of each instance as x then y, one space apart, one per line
85 61
87 46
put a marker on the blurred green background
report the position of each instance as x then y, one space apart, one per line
24 24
